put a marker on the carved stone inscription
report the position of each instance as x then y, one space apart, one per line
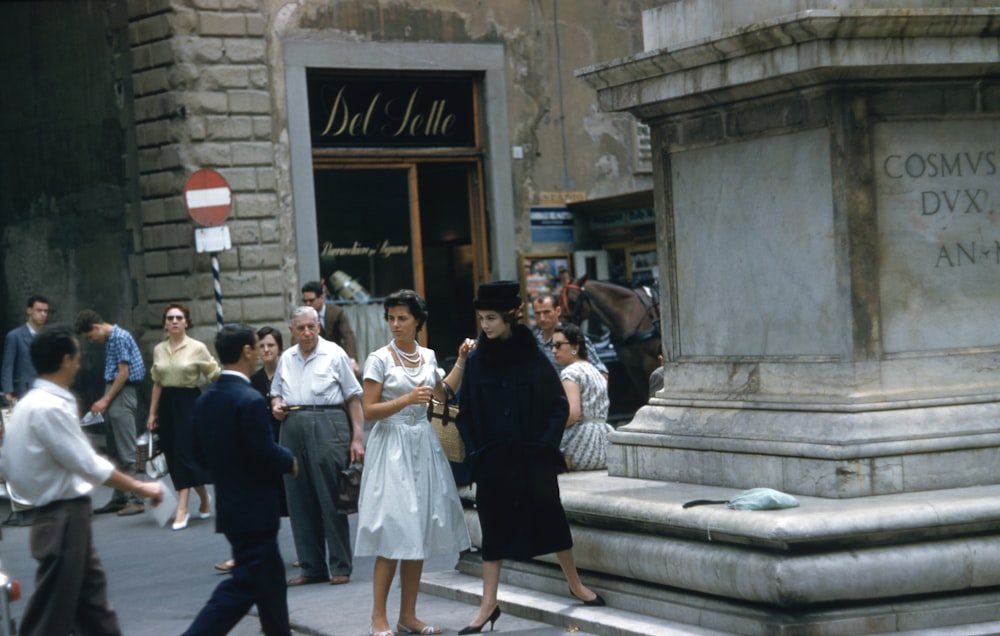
938 184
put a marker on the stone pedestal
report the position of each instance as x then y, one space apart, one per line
826 189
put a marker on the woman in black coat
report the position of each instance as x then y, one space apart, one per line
512 415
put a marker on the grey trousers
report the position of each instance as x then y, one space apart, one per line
121 427
321 441
71 590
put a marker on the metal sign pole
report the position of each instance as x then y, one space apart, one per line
218 289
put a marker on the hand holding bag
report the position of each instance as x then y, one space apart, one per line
349 489
442 416
149 457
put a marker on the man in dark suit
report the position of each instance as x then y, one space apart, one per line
17 372
333 324
235 441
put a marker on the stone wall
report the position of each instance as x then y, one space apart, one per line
202 101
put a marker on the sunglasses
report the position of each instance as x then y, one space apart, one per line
556 345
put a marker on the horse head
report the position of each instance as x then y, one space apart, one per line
573 301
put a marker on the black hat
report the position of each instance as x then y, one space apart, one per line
499 295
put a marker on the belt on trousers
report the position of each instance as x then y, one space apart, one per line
317 407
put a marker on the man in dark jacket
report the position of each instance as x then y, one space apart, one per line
17 372
235 441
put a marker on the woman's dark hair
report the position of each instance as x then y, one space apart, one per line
274 333
575 337
183 309
50 346
409 299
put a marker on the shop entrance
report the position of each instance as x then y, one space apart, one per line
414 224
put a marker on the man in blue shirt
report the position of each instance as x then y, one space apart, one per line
124 371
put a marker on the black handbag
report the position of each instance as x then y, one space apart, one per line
349 489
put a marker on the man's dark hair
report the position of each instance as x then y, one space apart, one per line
542 297
50 346
231 339
313 286
85 321
263 332
37 299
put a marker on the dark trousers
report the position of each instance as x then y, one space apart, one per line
321 441
258 578
71 590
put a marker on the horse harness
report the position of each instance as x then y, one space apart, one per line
650 301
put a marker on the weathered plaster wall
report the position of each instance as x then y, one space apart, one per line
567 144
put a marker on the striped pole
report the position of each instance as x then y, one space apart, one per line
218 289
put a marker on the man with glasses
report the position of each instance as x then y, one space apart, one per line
317 396
124 372
333 324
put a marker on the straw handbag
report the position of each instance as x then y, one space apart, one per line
442 417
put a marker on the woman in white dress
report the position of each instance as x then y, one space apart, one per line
409 508
585 442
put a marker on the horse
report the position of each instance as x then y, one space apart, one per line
633 318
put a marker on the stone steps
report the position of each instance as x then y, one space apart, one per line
557 610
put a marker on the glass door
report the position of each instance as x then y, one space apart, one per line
415 225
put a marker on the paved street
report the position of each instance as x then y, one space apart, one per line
159 580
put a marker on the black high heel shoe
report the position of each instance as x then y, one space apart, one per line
597 601
475 629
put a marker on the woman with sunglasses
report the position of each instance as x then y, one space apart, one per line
585 442
512 416
180 365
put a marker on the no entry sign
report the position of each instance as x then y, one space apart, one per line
208 198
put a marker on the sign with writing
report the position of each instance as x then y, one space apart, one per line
348 110
551 224
937 187
560 198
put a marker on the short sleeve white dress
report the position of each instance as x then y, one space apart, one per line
409 506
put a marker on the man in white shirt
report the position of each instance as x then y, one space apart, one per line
315 392
49 463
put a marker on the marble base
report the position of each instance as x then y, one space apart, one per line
831 566
821 454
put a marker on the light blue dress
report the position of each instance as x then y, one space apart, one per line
409 507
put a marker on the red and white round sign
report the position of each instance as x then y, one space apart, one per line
208 197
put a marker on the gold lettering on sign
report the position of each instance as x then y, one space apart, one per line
392 118
385 249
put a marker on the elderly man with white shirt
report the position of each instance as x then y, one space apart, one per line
315 392
49 463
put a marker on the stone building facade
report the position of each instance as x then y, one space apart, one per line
181 85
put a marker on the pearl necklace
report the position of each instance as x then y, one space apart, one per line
412 358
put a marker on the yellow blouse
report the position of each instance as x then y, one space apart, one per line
183 367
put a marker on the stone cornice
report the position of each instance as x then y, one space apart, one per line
799 50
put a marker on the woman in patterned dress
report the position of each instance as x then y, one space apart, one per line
585 442
409 508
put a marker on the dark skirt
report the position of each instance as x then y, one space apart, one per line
517 497
177 437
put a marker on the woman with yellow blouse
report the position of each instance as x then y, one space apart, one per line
179 363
